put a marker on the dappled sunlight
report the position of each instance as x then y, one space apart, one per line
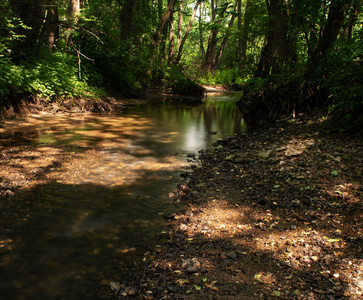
250 246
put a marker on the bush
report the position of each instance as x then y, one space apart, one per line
344 81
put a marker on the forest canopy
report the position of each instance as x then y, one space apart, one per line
287 56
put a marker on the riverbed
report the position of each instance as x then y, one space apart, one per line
84 195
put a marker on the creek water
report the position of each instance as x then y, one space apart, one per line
94 219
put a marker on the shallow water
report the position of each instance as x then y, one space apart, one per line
91 222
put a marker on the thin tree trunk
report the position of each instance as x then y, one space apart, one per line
244 33
240 39
171 39
164 21
200 25
225 39
180 22
180 51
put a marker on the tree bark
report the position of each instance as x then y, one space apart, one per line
337 14
239 26
52 26
275 51
171 39
212 40
73 12
243 31
126 18
226 38
180 51
163 23
180 22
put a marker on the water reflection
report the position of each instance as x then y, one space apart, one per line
98 213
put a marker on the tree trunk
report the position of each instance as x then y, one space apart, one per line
239 26
73 12
126 18
171 39
212 41
164 22
180 22
226 38
348 29
52 26
200 27
162 27
244 33
180 51
275 51
337 14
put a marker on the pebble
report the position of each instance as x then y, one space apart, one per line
115 287
231 255
192 269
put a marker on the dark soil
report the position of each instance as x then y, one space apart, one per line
273 214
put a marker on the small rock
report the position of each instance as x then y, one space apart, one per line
231 255
192 269
115 287
293 227
264 154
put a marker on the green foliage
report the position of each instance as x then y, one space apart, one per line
11 76
344 73
52 76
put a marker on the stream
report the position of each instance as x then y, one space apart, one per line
98 213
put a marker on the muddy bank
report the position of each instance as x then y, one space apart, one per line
273 214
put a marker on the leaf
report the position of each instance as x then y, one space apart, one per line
204 279
212 286
257 276
276 186
331 240
197 287
334 173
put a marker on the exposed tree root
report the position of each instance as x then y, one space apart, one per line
273 101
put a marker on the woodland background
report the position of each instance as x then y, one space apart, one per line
287 56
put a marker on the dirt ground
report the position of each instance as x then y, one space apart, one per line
275 213
272 214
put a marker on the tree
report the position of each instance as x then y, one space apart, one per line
180 51
274 53
337 12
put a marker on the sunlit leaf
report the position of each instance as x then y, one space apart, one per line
197 287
